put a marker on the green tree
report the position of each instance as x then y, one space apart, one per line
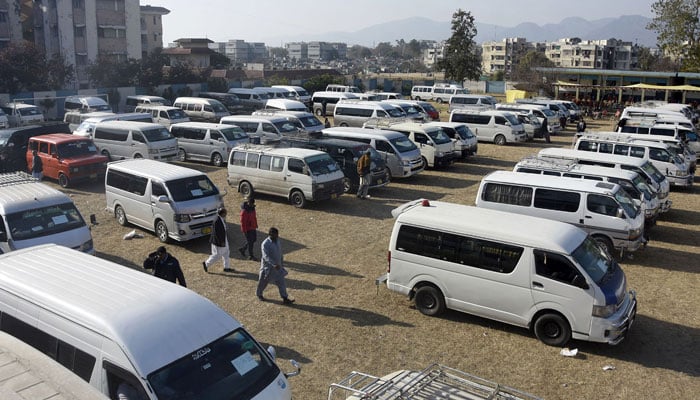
107 72
151 71
677 24
24 67
278 52
217 85
461 59
319 82
529 75
219 61
358 52
181 73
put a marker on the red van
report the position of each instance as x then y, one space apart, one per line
67 157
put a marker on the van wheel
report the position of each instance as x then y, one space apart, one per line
500 140
343 124
319 112
217 160
63 180
552 330
106 154
245 189
181 155
417 98
439 100
137 156
429 301
347 186
297 198
425 162
162 231
120 215
388 174
605 243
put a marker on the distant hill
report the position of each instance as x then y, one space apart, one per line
627 27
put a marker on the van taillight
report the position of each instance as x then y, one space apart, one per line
388 260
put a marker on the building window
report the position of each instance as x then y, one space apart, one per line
81 59
79 4
155 20
111 32
79 31
3 16
155 37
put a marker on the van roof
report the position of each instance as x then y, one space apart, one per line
366 104
203 125
280 151
145 96
492 224
89 100
623 138
549 181
555 152
21 192
413 127
156 106
254 118
362 132
154 169
130 124
156 321
549 164
346 95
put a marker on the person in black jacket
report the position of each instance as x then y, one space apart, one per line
165 266
219 243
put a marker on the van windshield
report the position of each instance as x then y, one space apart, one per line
287 126
594 260
44 221
310 121
549 113
75 149
439 136
29 111
321 164
403 144
233 367
177 114
653 172
641 184
396 112
157 134
190 188
625 200
233 133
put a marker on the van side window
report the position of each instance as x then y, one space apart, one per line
277 164
507 194
296 165
384 147
557 200
109 134
587 145
268 127
420 138
605 148
76 360
117 375
195 134
265 162
500 120
554 266
551 173
238 158
214 135
601 205
158 189
138 137
659 155
637 151
621 149
252 160
458 249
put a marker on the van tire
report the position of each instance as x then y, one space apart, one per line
217 160
439 100
425 163
606 244
63 180
120 215
417 98
162 231
318 112
297 199
137 156
181 155
245 189
343 124
429 300
106 154
500 140
552 330
347 186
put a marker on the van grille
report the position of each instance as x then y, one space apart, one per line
205 214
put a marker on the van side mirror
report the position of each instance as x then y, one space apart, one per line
620 213
580 282
293 373
163 199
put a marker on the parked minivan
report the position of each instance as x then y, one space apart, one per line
602 209
653 177
75 118
285 105
32 213
164 115
251 99
109 324
464 140
329 100
119 140
85 104
402 157
300 175
233 104
442 92
308 121
356 113
297 93
557 283
174 202
137 100
419 92
413 112
264 128
87 127
674 168
499 127
342 88
207 142
67 158
540 112
436 147
662 127
459 101
201 109
19 114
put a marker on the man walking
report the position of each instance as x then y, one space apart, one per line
219 243
37 166
165 266
249 226
363 169
271 269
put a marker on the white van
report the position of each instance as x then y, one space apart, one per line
413 112
87 127
274 93
308 121
603 209
631 181
110 324
464 140
19 114
174 202
542 113
402 157
264 128
499 127
342 88
164 115
133 101
558 283
460 101
300 175
201 109
75 118
252 99
85 104
419 92
677 146
207 142
32 213
653 177
4 122
674 167
356 113
298 93
328 100
285 105
436 147
662 126
119 140
443 92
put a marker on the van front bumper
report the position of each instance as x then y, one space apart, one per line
193 229
684 181
614 329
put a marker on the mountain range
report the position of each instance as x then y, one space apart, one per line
630 28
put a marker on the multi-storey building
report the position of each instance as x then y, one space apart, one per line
297 51
152 28
503 56
242 52
191 51
594 54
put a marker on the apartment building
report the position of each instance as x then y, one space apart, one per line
503 56
152 28
191 51
240 51
593 54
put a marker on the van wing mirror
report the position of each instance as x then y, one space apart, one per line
163 199
293 373
579 281
620 213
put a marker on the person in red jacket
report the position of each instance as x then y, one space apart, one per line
249 226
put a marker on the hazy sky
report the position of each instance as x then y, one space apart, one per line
260 20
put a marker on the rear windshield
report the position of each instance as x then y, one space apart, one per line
233 133
45 221
190 188
157 134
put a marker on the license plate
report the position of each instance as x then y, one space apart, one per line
206 230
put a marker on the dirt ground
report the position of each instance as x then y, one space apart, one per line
343 322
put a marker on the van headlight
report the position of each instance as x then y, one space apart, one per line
681 172
87 246
604 311
634 233
153 151
74 170
439 154
182 218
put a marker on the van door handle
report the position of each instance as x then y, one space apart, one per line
588 216
537 285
